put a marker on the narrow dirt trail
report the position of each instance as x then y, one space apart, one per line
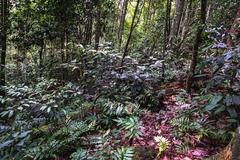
155 124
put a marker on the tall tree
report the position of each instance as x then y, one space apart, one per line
121 23
196 45
186 19
3 43
167 24
131 31
89 22
98 24
179 6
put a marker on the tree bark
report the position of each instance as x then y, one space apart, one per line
196 46
179 6
3 42
41 51
209 12
121 24
89 22
130 34
62 39
234 30
98 25
147 16
66 46
167 25
185 22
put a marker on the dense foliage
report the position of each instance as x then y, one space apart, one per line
118 79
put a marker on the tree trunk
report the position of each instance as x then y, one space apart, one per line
186 20
98 25
41 55
167 25
66 47
41 52
147 16
232 151
89 22
179 5
166 34
209 12
234 30
130 34
121 24
3 42
196 46
62 47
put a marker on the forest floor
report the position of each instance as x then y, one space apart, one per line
158 123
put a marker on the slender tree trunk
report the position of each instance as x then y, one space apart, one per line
3 42
66 46
196 46
139 17
130 34
234 30
166 34
209 11
41 57
89 23
147 16
167 25
62 47
41 52
186 20
121 24
98 25
179 6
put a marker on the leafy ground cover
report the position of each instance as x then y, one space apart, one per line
121 115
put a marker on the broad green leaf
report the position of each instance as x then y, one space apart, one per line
228 100
24 134
220 109
5 144
232 112
216 99
210 107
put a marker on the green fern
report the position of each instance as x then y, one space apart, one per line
182 148
80 154
103 146
183 123
81 109
118 109
124 153
163 144
131 125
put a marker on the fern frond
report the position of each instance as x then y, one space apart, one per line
80 154
124 153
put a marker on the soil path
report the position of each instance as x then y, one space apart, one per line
155 124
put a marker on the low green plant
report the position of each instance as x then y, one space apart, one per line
132 126
163 144
182 97
124 153
80 154
183 147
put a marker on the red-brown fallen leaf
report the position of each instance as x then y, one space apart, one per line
199 152
151 143
165 158
187 158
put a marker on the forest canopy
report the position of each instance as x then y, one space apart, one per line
119 79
